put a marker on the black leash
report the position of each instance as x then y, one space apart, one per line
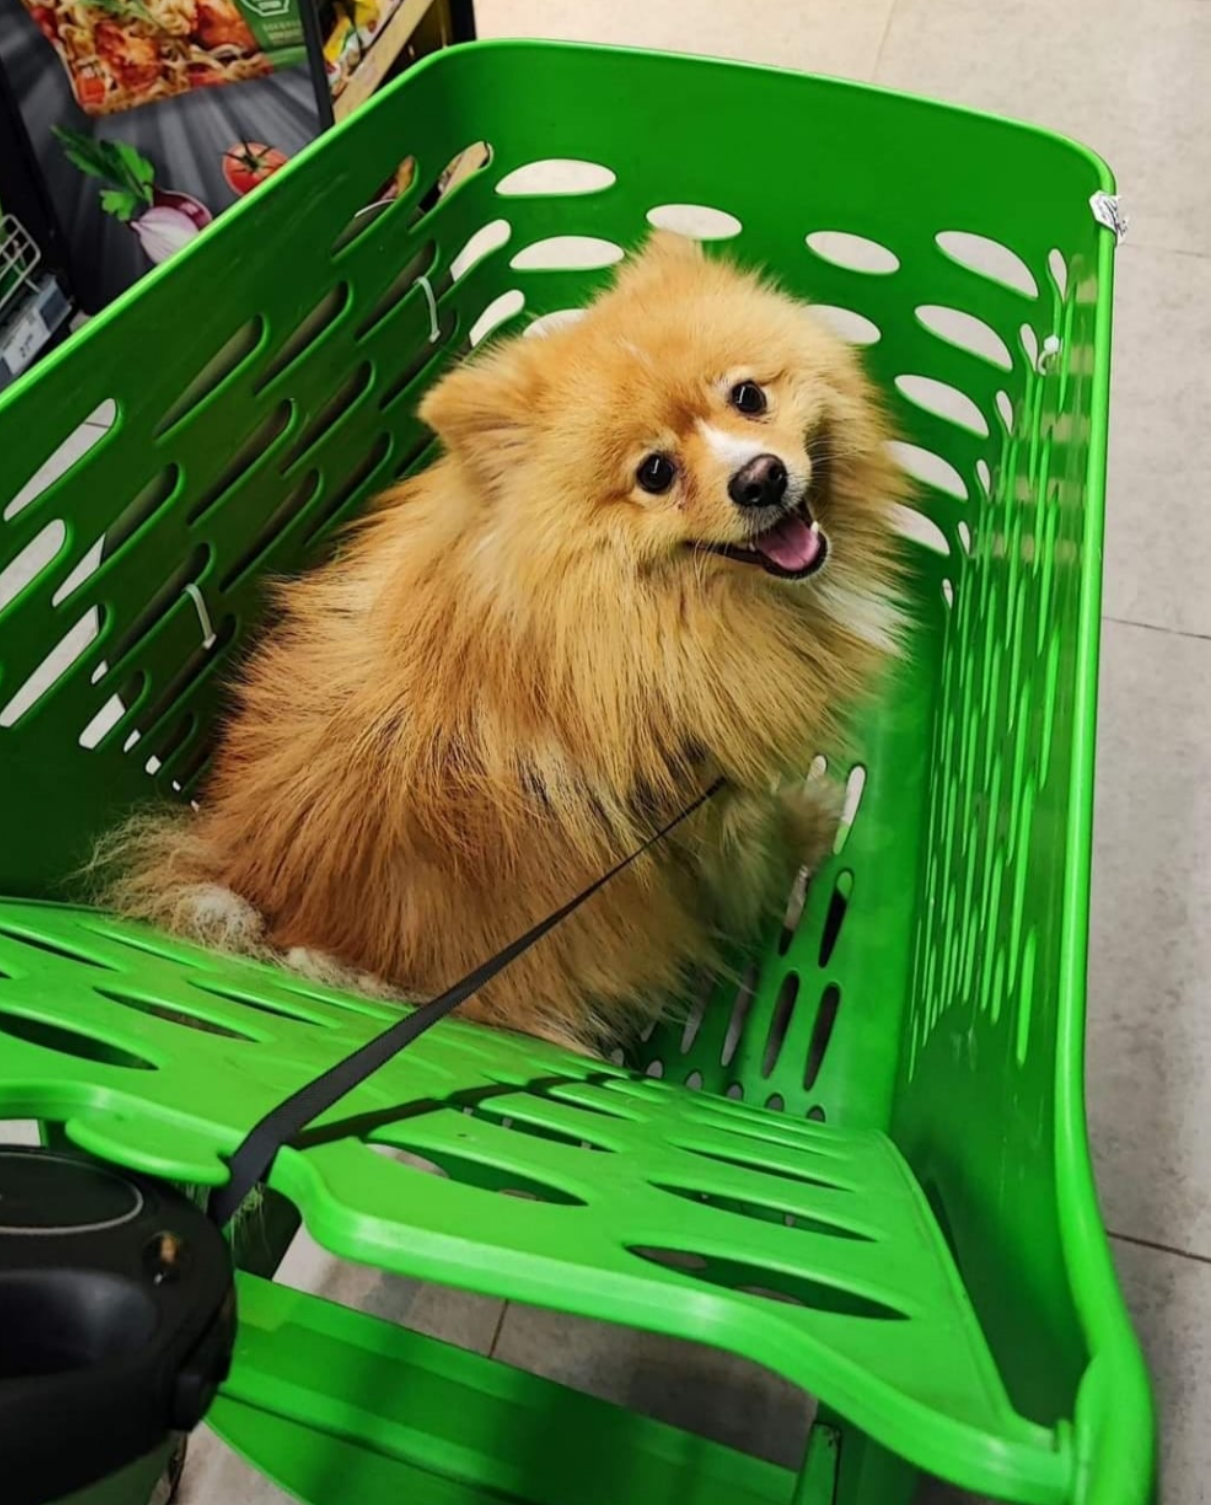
251 1162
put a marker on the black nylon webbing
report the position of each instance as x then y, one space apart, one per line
252 1160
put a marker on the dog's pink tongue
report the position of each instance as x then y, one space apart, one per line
790 543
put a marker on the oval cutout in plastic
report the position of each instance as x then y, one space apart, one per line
795 902
988 258
822 1034
774 1284
172 1013
246 454
558 318
741 1007
41 551
555 175
966 331
158 492
462 165
103 722
487 238
306 332
699 998
1030 344
412 1160
417 266
780 1020
1005 409
57 664
946 401
854 252
474 1170
393 389
382 197
838 908
854 328
68 454
567 253
500 309
1058 268
928 467
225 363
698 221
855 784
71 1042
348 396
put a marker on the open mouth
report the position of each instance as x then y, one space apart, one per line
792 549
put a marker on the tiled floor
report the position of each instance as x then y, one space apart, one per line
1131 79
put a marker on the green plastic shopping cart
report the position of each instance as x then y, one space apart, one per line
858 1156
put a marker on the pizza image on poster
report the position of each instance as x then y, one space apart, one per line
123 53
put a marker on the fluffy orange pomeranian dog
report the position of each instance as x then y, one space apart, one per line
658 550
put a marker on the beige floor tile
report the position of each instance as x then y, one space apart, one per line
816 36
1158 524
1128 79
700 1389
1149 1033
214 1475
459 1317
1170 1299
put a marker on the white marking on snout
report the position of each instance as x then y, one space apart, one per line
730 448
736 452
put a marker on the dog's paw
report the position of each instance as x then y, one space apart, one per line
321 967
217 917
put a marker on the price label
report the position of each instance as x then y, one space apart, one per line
28 336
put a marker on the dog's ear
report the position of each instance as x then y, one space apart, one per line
480 410
663 254
665 246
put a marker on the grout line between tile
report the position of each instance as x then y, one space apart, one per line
500 1322
1154 248
1147 1243
1173 632
874 72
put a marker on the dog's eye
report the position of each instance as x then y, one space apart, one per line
747 397
656 474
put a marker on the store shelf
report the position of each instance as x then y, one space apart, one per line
381 56
19 257
28 324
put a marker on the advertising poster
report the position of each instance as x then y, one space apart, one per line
147 118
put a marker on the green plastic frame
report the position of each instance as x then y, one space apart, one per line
877 1114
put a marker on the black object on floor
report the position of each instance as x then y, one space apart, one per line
117 1319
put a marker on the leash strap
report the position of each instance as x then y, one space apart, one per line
252 1161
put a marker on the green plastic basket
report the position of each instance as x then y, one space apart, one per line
859 1157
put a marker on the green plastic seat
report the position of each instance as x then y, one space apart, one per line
857 1155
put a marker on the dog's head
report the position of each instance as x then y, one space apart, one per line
694 420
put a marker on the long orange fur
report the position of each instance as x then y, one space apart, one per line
520 664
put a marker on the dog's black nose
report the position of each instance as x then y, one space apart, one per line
759 483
